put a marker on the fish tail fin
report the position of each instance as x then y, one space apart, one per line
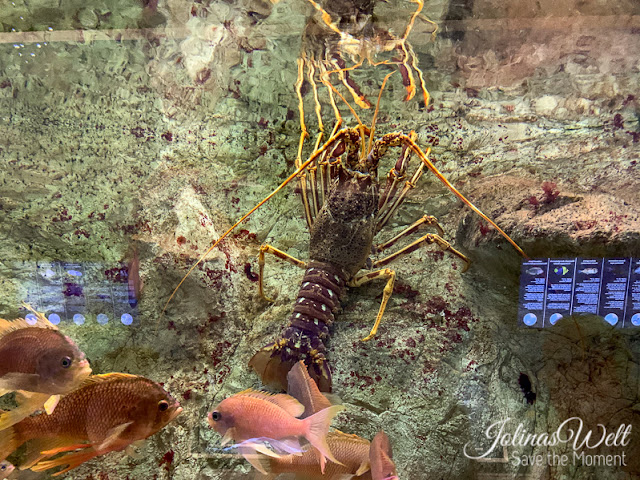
381 457
317 428
10 418
305 390
8 443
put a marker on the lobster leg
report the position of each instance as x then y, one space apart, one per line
426 220
385 273
281 255
303 128
394 200
394 177
398 138
303 135
428 239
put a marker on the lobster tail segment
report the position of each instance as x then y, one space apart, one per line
272 369
318 298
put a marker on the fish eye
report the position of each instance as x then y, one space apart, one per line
163 405
215 416
66 362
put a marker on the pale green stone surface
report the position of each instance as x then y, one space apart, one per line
85 134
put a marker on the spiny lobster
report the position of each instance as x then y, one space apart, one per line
344 210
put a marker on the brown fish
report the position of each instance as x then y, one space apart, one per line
107 413
380 455
351 451
252 414
40 363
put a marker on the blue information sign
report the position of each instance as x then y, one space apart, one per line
77 292
552 288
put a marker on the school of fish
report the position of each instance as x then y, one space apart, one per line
67 416
62 408
93 415
255 419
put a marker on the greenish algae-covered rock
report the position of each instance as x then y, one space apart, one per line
158 145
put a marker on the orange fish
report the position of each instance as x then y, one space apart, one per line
351 451
252 414
301 387
382 466
40 363
5 469
107 413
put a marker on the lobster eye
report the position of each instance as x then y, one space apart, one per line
163 405
215 416
66 362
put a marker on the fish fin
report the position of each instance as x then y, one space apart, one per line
28 402
8 443
352 437
40 317
278 447
290 445
380 457
256 460
19 381
132 451
10 418
7 326
284 401
37 447
66 448
304 389
334 398
113 437
364 467
72 460
107 377
228 436
258 448
317 429
51 404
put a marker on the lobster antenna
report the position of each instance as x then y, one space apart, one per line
375 113
302 166
353 112
324 77
423 157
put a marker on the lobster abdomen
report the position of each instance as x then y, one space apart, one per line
322 288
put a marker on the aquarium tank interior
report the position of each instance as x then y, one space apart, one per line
319 239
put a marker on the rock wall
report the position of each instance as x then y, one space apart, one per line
153 135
